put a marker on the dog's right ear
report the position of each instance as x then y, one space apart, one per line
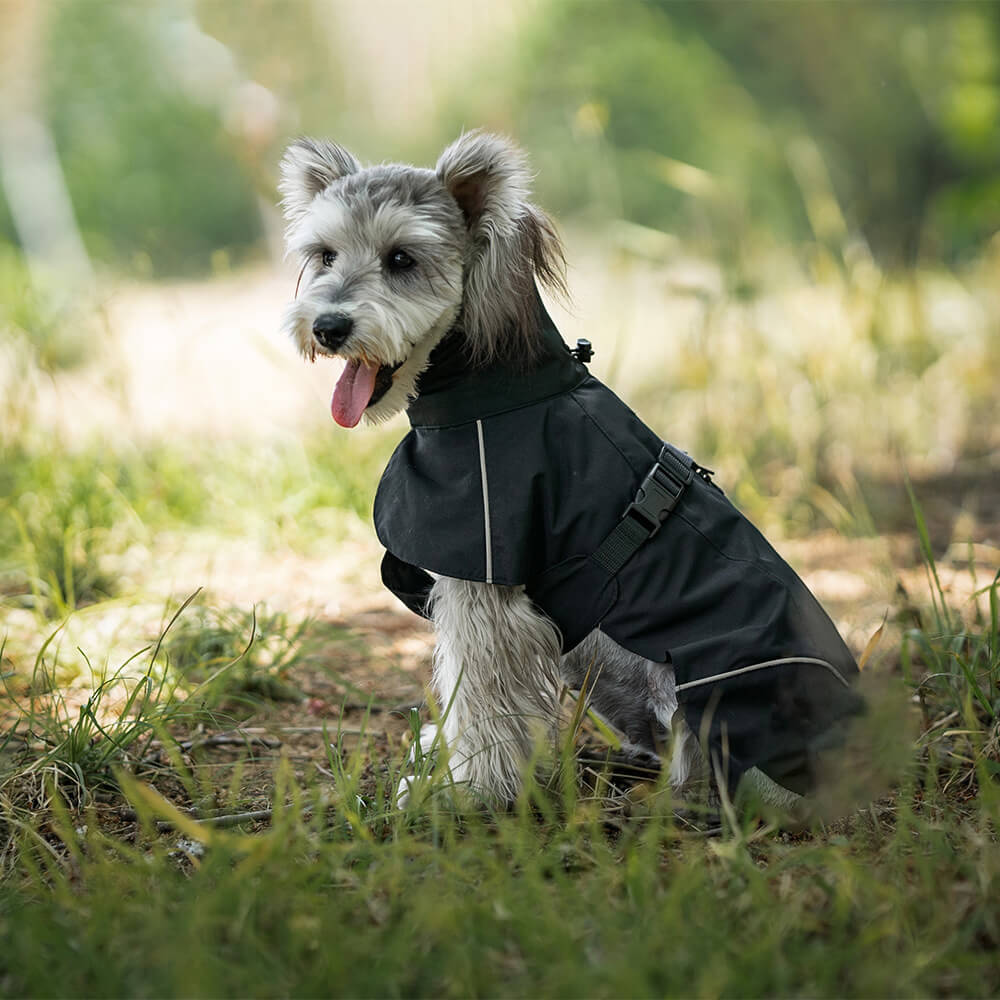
308 167
512 243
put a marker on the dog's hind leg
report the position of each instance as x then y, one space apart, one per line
638 698
496 679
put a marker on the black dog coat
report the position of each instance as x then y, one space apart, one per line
522 479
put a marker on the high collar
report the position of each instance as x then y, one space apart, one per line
454 391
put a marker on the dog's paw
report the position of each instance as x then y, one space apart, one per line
431 740
404 790
421 759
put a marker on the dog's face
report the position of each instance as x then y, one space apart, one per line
394 256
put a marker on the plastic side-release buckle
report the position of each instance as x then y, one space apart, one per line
662 488
658 494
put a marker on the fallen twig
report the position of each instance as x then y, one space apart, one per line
239 737
228 819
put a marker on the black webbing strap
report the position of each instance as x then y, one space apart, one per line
656 498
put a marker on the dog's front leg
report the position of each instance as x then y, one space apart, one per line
496 679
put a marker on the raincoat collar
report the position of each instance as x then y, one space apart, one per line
451 392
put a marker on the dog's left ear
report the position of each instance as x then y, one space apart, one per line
512 243
308 167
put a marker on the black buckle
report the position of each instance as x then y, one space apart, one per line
660 491
656 497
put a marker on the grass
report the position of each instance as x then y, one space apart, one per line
509 907
69 751
804 399
68 518
170 824
232 655
958 666
569 894
55 338
65 518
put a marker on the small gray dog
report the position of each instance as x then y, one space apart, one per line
549 535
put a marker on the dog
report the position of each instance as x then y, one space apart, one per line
550 536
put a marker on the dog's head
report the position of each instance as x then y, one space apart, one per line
394 257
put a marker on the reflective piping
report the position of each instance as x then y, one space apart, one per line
486 502
761 666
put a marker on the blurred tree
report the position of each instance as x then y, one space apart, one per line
628 118
31 177
612 107
902 97
716 119
288 48
132 98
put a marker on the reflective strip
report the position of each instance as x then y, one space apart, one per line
761 666
486 503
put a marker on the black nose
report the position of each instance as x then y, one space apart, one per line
332 329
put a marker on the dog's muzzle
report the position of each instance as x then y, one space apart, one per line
332 329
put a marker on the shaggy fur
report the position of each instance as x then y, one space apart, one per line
477 242
476 246
496 676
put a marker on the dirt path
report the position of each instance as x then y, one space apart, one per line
207 359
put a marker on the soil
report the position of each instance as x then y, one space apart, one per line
207 358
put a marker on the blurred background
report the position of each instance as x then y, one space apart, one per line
783 228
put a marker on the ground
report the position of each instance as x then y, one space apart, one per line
193 457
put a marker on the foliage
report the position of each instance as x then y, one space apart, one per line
156 184
56 337
68 752
345 895
954 663
904 161
255 648
878 119
313 85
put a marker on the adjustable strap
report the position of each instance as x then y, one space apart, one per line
656 498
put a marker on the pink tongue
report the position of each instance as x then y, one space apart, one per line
354 390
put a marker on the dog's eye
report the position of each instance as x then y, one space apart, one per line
399 260
328 257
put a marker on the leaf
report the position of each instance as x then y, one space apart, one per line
602 727
872 643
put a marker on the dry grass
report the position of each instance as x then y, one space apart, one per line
150 465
